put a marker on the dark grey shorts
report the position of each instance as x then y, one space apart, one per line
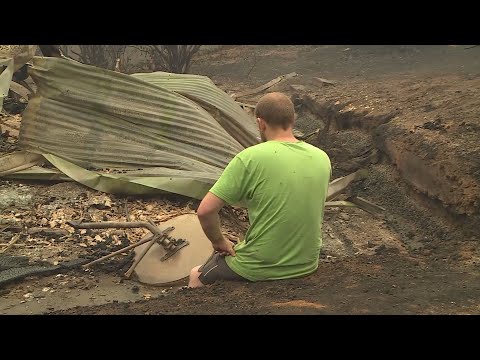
217 269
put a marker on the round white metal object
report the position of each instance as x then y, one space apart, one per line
150 270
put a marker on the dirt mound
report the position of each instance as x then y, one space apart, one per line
431 135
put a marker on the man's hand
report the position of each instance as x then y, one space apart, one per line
224 248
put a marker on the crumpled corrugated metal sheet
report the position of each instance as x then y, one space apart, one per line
203 91
151 131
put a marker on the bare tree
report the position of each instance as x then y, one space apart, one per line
93 55
118 56
116 51
65 49
104 56
171 58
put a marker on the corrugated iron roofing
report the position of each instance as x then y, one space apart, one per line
97 119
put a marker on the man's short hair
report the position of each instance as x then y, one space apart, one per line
276 109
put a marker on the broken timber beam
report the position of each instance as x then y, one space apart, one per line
265 86
338 185
366 205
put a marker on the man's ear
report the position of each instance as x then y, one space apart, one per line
261 124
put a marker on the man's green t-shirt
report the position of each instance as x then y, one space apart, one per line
284 186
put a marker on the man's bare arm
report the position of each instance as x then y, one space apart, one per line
210 220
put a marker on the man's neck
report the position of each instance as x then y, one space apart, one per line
281 135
